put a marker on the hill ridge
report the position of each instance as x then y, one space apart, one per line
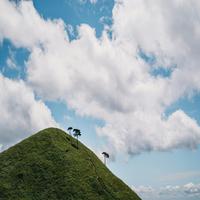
48 166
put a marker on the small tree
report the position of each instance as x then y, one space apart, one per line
77 133
106 155
70 129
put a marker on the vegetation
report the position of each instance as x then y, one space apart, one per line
46 166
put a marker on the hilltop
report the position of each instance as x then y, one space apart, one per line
48 165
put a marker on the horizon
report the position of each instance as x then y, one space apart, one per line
123 72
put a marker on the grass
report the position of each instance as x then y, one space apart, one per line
48 165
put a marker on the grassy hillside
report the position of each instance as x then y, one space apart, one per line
47 165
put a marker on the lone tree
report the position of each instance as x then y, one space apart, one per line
77 133
70 129
106 155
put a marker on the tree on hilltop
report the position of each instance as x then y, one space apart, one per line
77 133
106 155
70 129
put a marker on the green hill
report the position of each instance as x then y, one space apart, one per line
48 165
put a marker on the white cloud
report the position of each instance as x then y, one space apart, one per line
144 189
21 113
93 1
85 1
10 62
188 191
167 29
106 79
26 28
192 189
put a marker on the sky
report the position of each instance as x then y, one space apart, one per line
126 73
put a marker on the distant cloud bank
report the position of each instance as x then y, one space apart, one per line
188 191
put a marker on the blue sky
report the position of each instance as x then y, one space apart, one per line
155 165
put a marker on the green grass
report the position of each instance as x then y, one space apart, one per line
48 165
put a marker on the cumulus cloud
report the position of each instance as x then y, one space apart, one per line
191 188
107 79
21 113
25 28
188 191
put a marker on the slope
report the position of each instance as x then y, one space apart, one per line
48 165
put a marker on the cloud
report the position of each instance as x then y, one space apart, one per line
70 30
93 1
85 1
107 79
10 62
188 191
21 113
168 30
191 188
25 28
144 189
